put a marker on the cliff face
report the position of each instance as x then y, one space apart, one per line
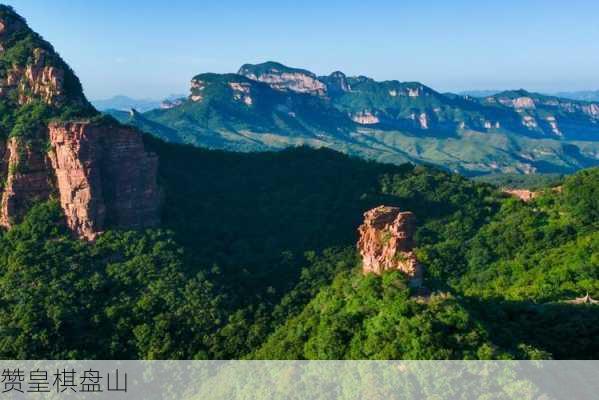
101 174
27 179
99 170
336 82
35 81
104 177
283 78
386 243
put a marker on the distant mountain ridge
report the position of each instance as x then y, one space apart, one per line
125 103
582 95
272 106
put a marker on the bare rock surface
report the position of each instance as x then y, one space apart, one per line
386 243
522 194
28 180
104 177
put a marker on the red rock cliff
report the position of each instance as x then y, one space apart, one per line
104 177
28 179
101 174
36 81
99 171
386 243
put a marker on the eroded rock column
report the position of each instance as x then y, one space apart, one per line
386 243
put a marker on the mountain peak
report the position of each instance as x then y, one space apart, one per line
97 168
10 23
336 82
270 67
284 78
31 70
514 93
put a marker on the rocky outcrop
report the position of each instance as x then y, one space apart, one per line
283 78
591 109
586 299
523 102
35 81
552 121
336 82
414 92
423 120
101 174
365 118
197 89
386 243
28 179
99 171
522 194
32 71
242 92
529 122
104 177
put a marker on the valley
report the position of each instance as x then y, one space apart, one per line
278 215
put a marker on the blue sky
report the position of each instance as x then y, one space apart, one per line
153 48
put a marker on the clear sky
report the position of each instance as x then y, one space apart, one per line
153 48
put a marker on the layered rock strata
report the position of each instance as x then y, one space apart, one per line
104 177
27 179
386 243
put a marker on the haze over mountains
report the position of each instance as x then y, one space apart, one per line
582 95
126 103
272 106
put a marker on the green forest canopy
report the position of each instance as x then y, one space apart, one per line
256 259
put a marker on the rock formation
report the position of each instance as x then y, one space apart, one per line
284 78
101 174
28 179
522 194
365 118
586 299
35 81
99 170
423 120
386 243
242 91
197 87
104 177
336 83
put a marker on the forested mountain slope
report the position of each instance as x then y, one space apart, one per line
273 106
254 255
255 247
501 294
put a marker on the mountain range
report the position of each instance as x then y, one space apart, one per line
115 244
125 103
582 95
272 106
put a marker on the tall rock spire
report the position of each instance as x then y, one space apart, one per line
386 243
